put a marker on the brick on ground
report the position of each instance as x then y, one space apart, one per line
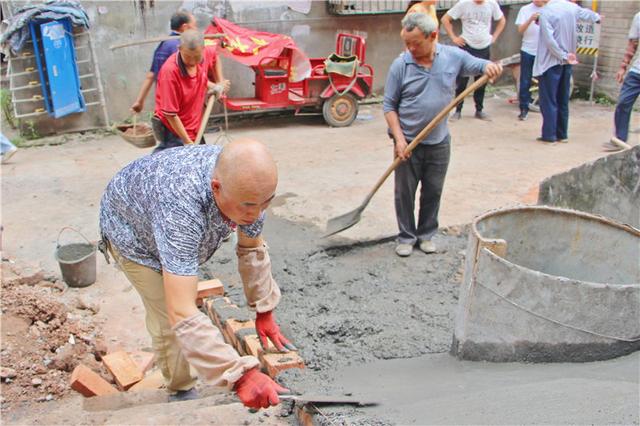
252 346
144 360
232 327
210 306
274 363
89 383
153 380
123 369
209 288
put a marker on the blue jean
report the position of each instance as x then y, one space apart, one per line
628 95
555 88
526 72
428 166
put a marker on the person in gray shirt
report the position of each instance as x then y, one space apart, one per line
164 215
421 82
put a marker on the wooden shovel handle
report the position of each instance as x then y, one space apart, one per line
432 124
205 119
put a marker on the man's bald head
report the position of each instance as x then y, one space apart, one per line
191 47
191 39
244 179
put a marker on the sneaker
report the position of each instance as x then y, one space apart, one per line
455 116
184 395
481 115
610 147
427 246
565 140
534 108
523 115
545 141
404 250
7 155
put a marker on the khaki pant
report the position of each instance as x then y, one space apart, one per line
169 356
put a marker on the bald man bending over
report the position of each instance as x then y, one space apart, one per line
164 215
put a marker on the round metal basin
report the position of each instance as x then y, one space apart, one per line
546 284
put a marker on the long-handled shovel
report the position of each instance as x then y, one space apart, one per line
205 119
347 220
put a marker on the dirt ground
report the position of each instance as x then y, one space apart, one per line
348 300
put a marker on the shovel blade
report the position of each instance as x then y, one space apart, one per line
345 221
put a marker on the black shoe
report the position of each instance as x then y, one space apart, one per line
455 116
545 140
523 115
184 395
481 115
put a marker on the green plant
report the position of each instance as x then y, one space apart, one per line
18 141
7 109
28 130
602 99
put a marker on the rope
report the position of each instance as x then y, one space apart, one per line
355 77
517 305
225 133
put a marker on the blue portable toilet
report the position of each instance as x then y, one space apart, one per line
53 45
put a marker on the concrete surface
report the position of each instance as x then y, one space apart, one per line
546 294
438 389
609 186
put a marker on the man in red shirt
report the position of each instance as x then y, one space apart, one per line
184 81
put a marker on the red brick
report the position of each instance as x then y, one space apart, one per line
208 289
231 327
144 360
88 383
274 363
123 369
153 380
253 347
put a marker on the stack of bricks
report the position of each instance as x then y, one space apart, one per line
128 369
239 331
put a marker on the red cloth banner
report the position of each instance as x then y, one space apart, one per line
249 47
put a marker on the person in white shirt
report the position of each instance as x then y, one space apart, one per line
530 30
476 38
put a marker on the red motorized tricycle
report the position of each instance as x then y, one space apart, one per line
332 85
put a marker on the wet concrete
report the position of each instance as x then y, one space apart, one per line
377 326
438 389
354 303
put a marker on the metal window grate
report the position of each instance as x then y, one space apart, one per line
374 7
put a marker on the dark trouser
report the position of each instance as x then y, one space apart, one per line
461 82
526 71
628 95
165 137
555 87
427 165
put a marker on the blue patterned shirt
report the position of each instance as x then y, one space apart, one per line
159 211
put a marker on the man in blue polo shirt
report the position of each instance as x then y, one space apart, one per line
180 22
420 84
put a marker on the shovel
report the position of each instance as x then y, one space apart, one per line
347 220
205 119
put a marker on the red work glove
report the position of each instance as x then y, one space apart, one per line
266 327
257 390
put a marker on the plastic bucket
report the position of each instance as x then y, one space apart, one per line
77 261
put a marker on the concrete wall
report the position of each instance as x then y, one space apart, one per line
123 70
609 186
613 43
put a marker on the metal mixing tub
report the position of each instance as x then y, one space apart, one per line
546 284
